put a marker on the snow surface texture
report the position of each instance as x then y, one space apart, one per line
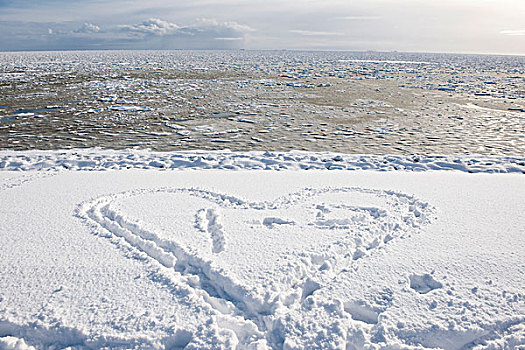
98 159
260 259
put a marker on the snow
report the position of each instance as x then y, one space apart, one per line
103 159
111 249
13 343
424 283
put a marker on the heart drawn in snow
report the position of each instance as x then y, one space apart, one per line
258 255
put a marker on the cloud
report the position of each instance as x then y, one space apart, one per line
513 32
314 33
153 33
212 28
203 27
87 28
152 26
228 26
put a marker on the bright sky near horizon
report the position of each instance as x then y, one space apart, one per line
467 26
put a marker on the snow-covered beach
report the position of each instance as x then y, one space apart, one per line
219 250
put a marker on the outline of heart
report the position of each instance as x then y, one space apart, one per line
215 285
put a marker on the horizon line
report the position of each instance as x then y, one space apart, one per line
276 49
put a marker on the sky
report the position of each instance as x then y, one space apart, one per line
463 26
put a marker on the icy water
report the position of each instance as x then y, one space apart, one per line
369 103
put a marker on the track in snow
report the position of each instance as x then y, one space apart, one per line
356 231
